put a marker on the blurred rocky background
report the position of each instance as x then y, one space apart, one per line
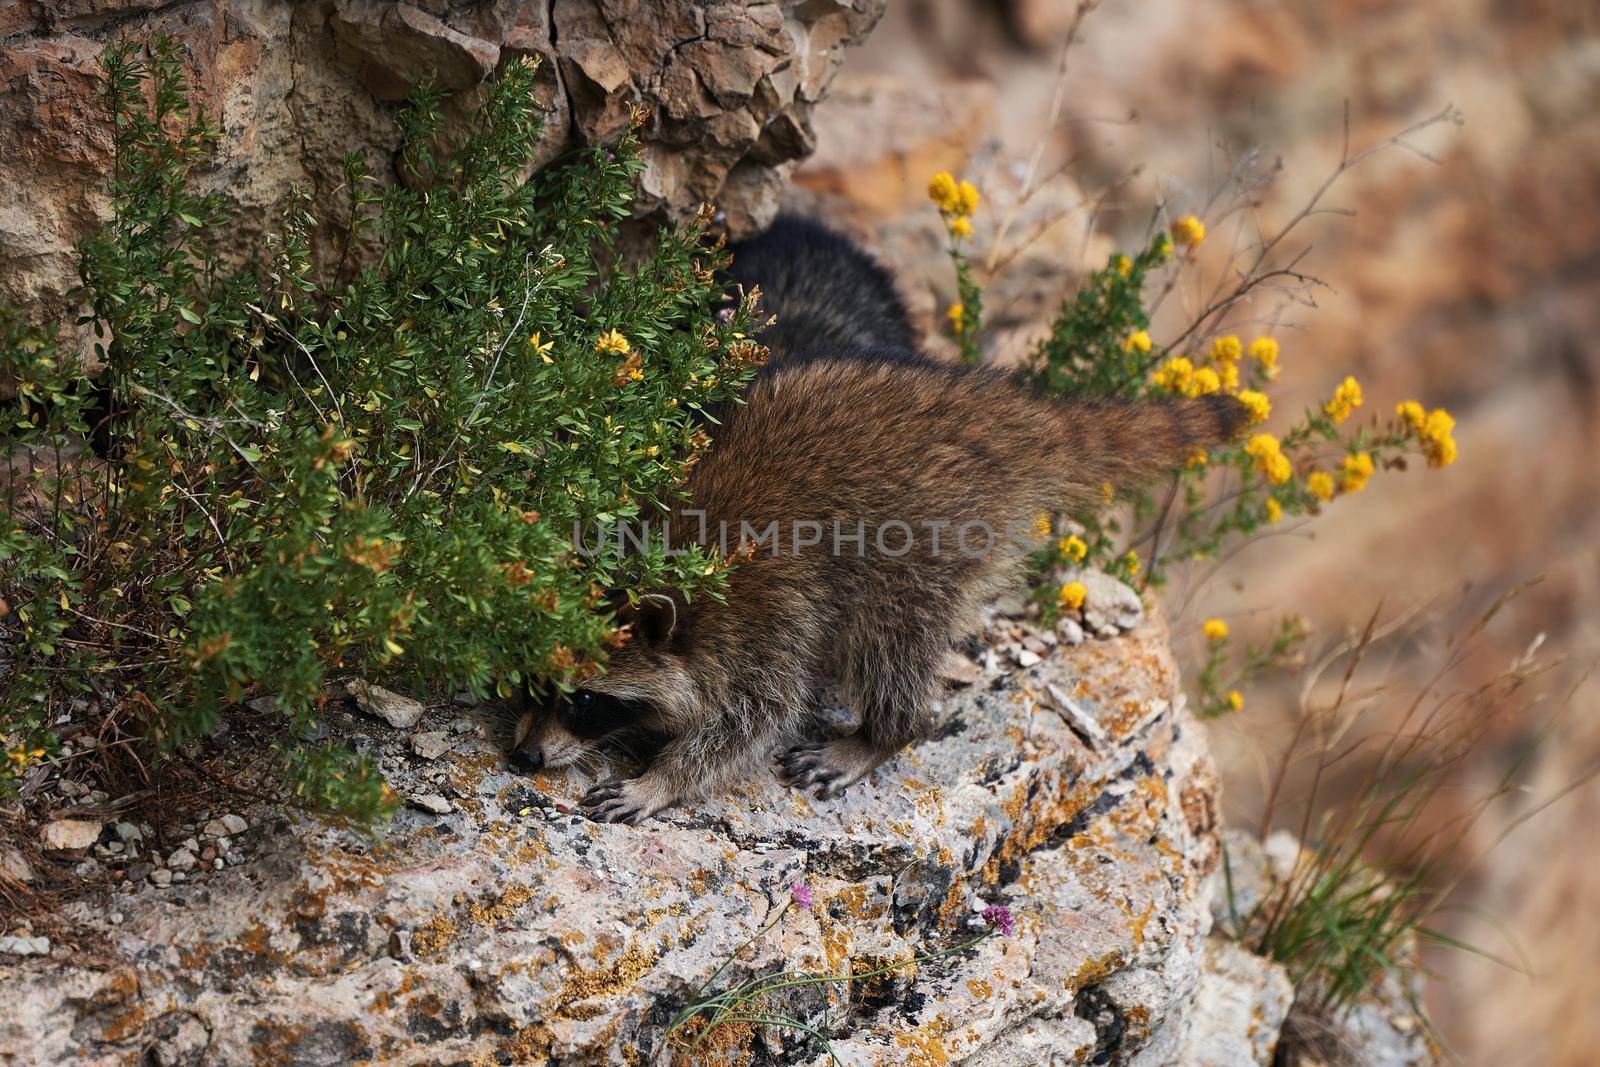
1472 282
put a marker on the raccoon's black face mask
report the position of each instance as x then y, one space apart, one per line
562 730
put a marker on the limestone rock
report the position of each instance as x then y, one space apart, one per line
513 929
401 712
1239 1007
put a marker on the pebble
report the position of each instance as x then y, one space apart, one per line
1027 658
431 744
433 802
15 866
398 711
161 877
25 946
236 824
70 835
115 918
461 726
181 860
129 832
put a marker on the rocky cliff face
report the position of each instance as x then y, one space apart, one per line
490 923
296 86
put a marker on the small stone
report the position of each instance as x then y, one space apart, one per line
115 918
129 832
70 835
15 866
1026 659
181 860
25 946
215 828
70 789
461 726
208 855
433 802
140 871
263 705
217 864
234 858
400 945
1012 605
398 711
235 824
191 843
161 877
430 745
1071 633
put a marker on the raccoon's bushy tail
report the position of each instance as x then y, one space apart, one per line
830 298
1124 443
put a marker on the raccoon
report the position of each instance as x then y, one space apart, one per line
876 496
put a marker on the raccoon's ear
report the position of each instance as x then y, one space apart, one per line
656 618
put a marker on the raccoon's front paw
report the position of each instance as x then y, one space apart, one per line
628 800
832 766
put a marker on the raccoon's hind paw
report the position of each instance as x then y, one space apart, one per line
628 800
832 766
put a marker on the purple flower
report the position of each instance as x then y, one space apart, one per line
998 916
725 315
801 894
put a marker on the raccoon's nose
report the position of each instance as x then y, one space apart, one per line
527 757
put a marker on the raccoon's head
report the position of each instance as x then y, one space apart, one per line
645 690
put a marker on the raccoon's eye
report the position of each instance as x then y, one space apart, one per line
592 715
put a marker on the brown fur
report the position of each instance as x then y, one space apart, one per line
874 441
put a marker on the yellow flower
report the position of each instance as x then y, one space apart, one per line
957 315
1225 348
942 189
1437 443
1264 350
1256 404
1041 526
960 228
1411 413
1175 375
1162 247
1197 458
1274 509
966 198
1235 699
1269 457
1122 264
1354 470
1230 376
1073 549
1206 381
541 347
613 341
1071 596
1345 400
1108 492
1189 231
1131 561
1138 341
1215 630
1321 485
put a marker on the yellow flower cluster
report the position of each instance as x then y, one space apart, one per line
1225 349
957 315
1041 525
1320 483
1264 350
1071 596
1256 404
613 341
1189 231
1073 549
1434 430
1138 341
1176 375
1354 470
1274 509
1215 630
1131 561
1345 400
1269 457
1235 700
957 201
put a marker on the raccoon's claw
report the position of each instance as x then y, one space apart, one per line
625 800
832 766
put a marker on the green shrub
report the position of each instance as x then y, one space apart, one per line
372 468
